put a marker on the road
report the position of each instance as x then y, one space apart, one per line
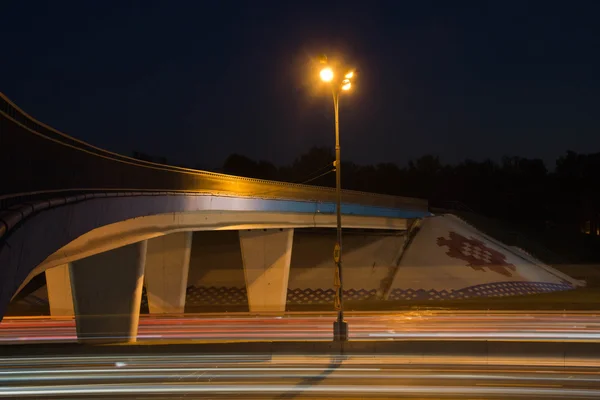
583 326
459 363
285 376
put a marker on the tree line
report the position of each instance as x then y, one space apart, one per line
513 189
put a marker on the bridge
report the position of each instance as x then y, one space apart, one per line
101 224
108 232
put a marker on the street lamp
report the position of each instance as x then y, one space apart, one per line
338 84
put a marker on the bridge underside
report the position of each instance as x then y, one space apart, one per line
109 309
72 236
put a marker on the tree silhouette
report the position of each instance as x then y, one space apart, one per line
514 189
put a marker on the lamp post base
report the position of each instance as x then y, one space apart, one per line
340 331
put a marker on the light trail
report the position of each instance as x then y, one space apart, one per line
273 376
380 326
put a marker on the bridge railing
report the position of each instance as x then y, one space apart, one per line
38 162
21 117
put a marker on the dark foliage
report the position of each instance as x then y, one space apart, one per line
514 189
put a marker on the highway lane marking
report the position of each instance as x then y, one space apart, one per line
397 361
83 389
387 365
516 385
123 370
526 314
167 374
493 335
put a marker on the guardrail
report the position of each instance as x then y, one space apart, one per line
39 162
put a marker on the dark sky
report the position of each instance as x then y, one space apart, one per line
197 80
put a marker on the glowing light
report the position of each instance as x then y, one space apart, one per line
346 84
326 74
349 75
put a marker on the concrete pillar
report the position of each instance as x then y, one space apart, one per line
60 296
266 255
167 266
107 292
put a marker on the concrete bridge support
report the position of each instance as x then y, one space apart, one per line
107 292
167 266
266 256
60 296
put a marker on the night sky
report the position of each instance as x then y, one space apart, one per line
197 80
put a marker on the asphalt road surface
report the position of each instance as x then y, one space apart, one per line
284 377
453 372
434 325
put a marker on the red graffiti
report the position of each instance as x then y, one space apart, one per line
476 254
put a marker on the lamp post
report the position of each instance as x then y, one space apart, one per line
340 327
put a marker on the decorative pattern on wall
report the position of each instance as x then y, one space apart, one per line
215 295
323 296
223 296
497 289
233 295
477 255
